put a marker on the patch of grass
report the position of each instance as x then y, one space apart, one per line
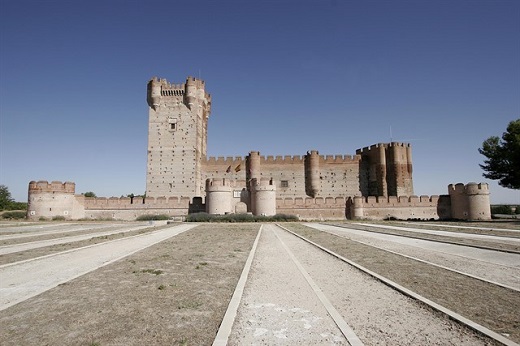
191 305
14 215
149 271
205 217
58 218
161 287
153 217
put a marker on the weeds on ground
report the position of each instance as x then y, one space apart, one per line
150 271
205 217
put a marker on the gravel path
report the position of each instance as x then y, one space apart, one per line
279 306
22 280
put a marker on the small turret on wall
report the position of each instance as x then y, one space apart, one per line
470 202
263 196
51 200
218 196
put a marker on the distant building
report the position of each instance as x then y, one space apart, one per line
375 183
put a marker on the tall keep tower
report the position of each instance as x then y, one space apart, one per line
177 137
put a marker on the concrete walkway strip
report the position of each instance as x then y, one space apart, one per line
470 227
444 233
453 315
347 331
494 256
224 330
69 230
27 279
7 249
439 266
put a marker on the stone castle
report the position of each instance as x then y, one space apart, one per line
375 183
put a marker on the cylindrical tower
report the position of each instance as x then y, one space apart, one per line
154 93
253 165
264 197
314 172
380 167
459 205
357 212
478 201
49 200
218 196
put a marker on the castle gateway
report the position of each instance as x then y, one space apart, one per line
375 183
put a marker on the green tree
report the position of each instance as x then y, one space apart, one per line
89 194
503 157
5 198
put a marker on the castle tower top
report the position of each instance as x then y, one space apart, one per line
191 91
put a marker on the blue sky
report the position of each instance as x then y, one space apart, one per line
285 77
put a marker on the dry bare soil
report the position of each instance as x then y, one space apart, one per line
173 293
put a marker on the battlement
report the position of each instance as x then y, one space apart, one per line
92 203
394 201
158 88
280 160
332 202
298 159
469 189
44 186
221 160
366 150
339 158
218 182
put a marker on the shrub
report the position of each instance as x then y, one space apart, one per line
152 217
501 209
14 215
205 217
58 218
198 217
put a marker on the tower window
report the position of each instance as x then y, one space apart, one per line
172 126
284 183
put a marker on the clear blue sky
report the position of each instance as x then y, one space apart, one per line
285 76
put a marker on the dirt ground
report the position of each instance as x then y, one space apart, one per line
492 306
173 293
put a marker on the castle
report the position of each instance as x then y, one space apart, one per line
375 183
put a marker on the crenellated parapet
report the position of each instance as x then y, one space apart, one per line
44 186
403 208
221 160
161 91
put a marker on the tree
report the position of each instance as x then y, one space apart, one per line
503 157
89 194
5 198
